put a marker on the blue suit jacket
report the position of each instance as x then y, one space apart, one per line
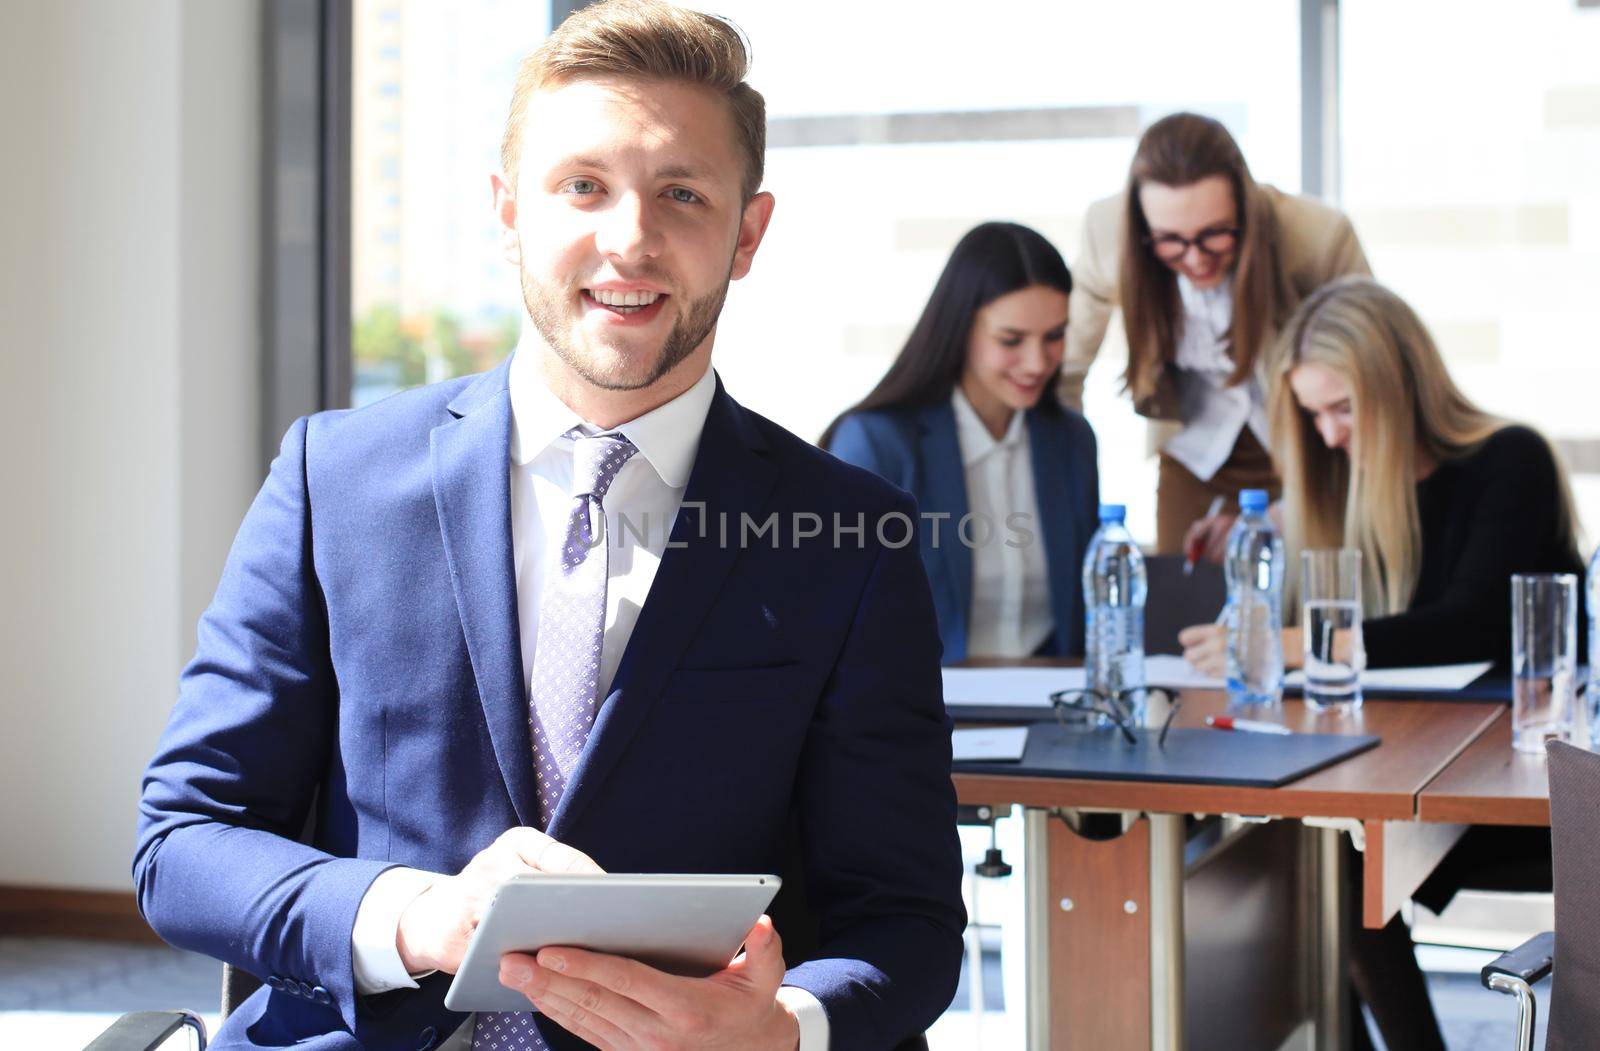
917 449
360 669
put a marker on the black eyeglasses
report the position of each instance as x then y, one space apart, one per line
1071 705
1169 248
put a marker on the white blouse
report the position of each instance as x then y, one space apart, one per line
1010 614
1213 412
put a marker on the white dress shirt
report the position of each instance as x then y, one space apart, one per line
1213 412
640 508
1010 614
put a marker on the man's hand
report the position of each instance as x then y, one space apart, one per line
619 1004
435 928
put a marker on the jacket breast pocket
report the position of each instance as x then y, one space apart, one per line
772 683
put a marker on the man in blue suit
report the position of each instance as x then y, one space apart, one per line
583 611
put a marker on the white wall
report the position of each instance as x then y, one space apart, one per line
129 361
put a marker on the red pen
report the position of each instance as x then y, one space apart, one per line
1197 547
1251 726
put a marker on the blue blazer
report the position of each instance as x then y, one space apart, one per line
360 670
917 449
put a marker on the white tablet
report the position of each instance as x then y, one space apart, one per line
691 925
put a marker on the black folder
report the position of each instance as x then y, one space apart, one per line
1192 756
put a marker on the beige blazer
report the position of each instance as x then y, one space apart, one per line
1316 244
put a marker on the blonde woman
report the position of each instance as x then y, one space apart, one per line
1379 450
1206 265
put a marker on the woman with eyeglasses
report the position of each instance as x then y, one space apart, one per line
967 421
1206 265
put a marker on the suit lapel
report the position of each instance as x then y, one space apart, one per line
945 480
472 491
731 476
1056 523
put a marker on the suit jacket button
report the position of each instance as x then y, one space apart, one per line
426 1038
321 995
305 990
275 983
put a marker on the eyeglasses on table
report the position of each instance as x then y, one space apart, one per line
1070 706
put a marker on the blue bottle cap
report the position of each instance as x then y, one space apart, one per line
1113 513
1252 500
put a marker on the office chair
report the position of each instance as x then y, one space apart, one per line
147 1030
1177 600
1575 957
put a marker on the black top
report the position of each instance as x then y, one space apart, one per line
1484 517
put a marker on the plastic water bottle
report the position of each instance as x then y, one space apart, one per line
1591 692
1254 571
1113 595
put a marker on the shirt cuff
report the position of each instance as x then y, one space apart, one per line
811 1015
373 954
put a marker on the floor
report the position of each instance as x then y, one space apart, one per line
58 994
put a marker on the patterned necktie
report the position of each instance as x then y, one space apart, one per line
566 668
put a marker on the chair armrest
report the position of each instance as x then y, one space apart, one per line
1531 961
146 1031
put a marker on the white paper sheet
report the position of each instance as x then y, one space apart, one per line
1175 673
1032 687
995 744
1008 687
1434 677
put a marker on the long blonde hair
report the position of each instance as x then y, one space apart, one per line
1402 400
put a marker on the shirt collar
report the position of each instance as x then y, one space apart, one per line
1215 302
667 436
974 438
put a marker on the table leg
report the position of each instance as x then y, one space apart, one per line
1400 856
1166 931
1036 923
1333 983
1105 935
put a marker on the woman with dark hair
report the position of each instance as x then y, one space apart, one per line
1207 265
967 421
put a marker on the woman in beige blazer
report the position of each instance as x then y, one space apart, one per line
1206 266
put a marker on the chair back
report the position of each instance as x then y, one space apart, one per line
236 986
1575 850
1177 600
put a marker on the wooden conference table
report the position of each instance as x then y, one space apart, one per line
1269 898
1489 784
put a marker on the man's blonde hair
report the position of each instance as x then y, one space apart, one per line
644 40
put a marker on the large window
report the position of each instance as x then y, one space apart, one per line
891 136
1471 149
431 296
1019 111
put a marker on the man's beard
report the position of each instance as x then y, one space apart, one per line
549 314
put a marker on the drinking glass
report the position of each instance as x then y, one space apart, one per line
1544 658
1330 619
